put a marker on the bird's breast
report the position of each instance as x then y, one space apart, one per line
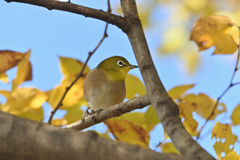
101 92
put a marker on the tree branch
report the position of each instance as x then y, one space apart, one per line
119 21
164 106
114 111
27 140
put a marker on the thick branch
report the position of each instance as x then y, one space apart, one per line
119 21
165 108
27 140
114 111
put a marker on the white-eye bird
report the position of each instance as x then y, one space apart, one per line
104 86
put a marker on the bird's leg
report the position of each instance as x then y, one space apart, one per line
86 112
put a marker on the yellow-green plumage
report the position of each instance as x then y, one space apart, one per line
104 86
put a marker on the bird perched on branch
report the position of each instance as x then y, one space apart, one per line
104 86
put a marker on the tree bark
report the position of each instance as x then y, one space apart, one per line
164 106
24 139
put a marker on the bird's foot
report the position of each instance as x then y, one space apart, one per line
97 111
85 114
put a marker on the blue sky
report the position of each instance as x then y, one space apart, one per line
50 34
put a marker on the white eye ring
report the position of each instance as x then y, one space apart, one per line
120 63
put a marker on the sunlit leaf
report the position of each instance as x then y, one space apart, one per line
23 99
224 132
4 77
169 148
5 93
191 125
212 31
146 120
178 91
232 156
185 111
134 86
196 4
151 117
174 39
104 135
9 59
59 122
33 114
136 117
70 66
74 95
191 60
204 105
129 132
236 115
225 44
73 114
144 11
24 71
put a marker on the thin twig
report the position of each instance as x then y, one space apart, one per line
230 85
81 73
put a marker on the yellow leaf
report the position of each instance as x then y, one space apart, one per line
38 100
191 59
23 99
74 95
174 38
169 148
59 122
151 117
128 132
71 66
104 135
236 115
177 92
224 44
144 14
146 120
196 5
134 86
4 77
73 114
24 71
212 30
204 105
223 131
33 114
9 59
231 156
191 125
5 93
186 109
136 117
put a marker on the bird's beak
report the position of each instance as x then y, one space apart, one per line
132 66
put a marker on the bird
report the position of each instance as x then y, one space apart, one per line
104 86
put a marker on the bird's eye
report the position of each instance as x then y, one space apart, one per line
120 63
